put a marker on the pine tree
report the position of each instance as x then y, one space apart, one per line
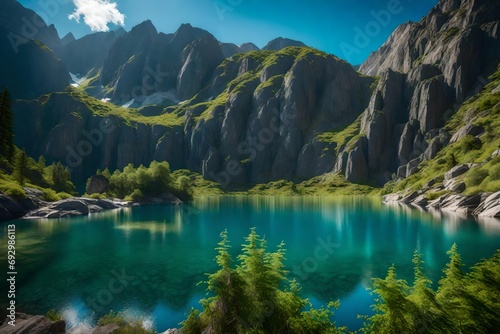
6 126
451 291
106 173
226 312
61 179
255 267
483 292
392 306
20 167
428 316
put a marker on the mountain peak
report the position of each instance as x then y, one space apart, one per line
247 47
68 39
145 27
281 43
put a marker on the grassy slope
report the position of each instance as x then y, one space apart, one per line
129 115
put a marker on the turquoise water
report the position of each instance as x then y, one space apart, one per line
146 261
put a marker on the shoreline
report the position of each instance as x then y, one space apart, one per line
33 207
483 205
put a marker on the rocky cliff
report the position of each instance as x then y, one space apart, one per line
284 112
427 70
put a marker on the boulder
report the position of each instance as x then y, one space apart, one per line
458 187
489 207
432 150
462 204
75 207
456 171
410 197
420 200
468 129
28 324
98 184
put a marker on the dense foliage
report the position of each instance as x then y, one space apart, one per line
246 297
133 183
53 180
463 303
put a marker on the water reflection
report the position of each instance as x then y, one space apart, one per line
335 246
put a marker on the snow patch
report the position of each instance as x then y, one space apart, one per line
128 104
77 79
156 98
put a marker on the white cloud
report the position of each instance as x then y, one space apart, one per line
97 14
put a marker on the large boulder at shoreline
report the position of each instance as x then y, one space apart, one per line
76 207
489 207
11 208
29 324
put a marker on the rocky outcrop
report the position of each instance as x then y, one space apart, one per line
426 71
482 205
11 208
267 127
28 324
97 184
75 207
144 62
459 37
88 52
63 128
489 206
199 60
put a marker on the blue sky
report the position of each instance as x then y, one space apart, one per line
350 29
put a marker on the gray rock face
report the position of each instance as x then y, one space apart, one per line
199 61
357 168
88 52
27 324
11 208
87 142
144 62
489 207
425 68
266 123
468 129
456 171
98 184
460 42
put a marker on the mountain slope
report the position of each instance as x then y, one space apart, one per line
28 65
293 113
426 71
